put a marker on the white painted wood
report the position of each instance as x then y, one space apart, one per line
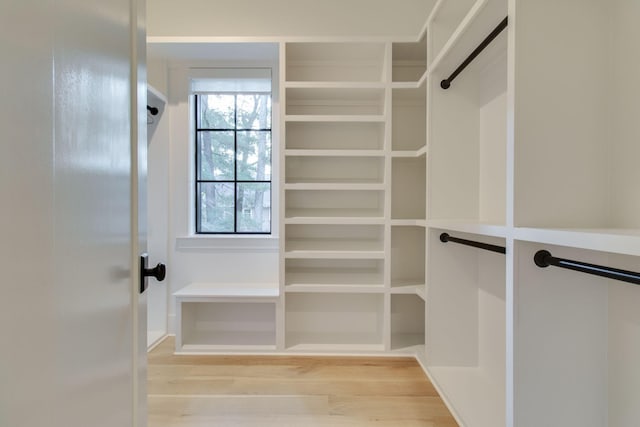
204 290
66 251
409 119
334 204
407 321
336 119
408 174
407 256
466 291
334 170
333 153
445 19
562 340
342 102
333 273
328 321
409 60
470 227
157 214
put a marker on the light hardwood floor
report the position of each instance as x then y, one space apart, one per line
296 391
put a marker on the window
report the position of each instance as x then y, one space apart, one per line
233 152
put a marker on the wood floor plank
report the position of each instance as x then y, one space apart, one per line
301 391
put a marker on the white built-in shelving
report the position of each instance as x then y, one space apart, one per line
533 146
355 133
521 159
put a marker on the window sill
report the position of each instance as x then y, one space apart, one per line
222 243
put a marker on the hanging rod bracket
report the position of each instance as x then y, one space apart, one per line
541 258
544 259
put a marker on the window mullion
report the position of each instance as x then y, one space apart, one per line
235 163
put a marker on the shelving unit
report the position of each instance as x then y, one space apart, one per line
355 133
522 159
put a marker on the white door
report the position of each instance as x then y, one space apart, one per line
69 300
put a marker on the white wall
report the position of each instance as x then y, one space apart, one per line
191 258
290 18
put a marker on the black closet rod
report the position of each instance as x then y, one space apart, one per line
444 238
545 259
152 110
446 83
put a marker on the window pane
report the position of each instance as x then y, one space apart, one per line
254 155
216 112
254 208
254 111
216 207
215 156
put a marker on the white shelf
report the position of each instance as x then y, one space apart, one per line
412 84
203 291
335 85
294 220
334 254
337 245
408 287
407 343
409 153
335 289
338 215
333 153
334 118
471 227
408 223
621 241
334 186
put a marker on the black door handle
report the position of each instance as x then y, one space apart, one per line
159 272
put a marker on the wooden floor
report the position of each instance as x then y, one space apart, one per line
266 391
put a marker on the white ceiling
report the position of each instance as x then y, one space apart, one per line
390 19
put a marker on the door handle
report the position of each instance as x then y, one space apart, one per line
158 272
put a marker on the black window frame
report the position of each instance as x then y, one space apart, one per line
235 181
